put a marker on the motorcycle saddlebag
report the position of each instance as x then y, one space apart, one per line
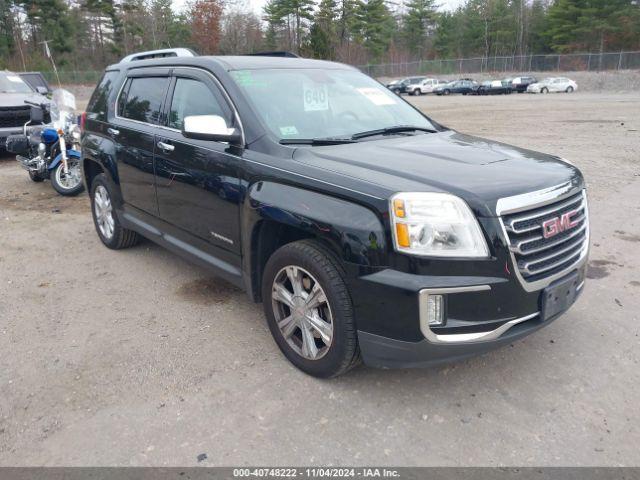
18 144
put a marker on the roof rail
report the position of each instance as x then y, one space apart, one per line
275 54
166 52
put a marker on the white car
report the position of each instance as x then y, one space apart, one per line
425 86
553 84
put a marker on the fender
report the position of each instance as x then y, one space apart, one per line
71 153
353 231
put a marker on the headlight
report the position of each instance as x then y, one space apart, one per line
437 225
75 133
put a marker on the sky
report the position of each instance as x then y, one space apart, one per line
256 5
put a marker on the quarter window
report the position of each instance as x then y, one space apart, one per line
192 97
143 99
97 107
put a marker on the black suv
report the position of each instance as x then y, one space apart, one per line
365 228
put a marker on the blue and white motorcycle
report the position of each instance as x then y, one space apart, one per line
51 151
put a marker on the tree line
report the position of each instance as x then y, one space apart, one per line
89 34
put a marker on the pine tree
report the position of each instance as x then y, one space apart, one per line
322 37
374 26
419 25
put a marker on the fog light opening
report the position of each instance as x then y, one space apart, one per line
435 310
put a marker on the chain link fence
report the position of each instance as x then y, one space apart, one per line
88 77
572 62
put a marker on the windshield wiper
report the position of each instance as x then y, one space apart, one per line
316 141
390 130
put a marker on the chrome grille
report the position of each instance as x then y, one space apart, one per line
537 257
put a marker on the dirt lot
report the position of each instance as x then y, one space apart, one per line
138 358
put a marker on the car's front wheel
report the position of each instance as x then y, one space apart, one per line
569 89
309 310
544 90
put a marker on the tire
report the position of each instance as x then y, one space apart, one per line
71 185
569 90
412 93
544 90
446 92
116 237
312 265
35 177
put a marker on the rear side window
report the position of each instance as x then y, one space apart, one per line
98 104
192 97
142 99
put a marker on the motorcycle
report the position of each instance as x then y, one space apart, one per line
51 151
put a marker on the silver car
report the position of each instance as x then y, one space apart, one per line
14 113
553 85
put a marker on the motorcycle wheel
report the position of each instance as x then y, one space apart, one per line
71 184
35 177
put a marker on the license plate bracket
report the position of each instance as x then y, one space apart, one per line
559 296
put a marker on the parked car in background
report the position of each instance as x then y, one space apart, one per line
494 87
464 87
520 84
426 86
553 85
401 86
14 112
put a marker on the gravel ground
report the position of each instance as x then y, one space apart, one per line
138 358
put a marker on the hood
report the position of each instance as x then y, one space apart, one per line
478 170
17 99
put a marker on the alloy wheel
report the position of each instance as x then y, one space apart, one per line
104 212
302 312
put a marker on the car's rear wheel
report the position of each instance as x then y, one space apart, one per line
108 227
569 90
309 309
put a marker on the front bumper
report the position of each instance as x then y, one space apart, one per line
460 338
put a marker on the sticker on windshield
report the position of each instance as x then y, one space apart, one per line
14 78
288 131
244 78
377 97
316 98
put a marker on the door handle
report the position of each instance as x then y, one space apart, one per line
166 147
113 131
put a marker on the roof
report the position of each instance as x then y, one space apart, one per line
240 62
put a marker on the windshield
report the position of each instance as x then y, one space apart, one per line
11 83
63 106
313 103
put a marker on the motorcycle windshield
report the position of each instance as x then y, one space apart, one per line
63 108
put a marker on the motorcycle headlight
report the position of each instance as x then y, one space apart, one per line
436 225
75 133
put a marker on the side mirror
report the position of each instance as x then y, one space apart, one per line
37 115
210 127
42 90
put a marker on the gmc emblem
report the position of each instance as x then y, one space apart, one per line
553 226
